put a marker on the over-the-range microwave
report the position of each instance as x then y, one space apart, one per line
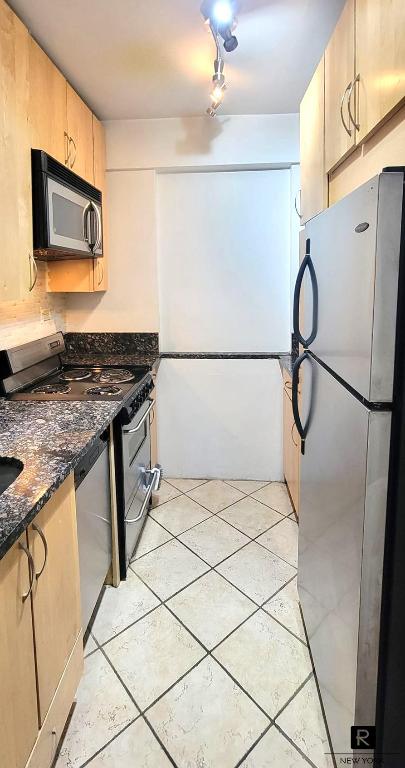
66 212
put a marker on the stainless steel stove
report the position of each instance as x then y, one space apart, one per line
35 371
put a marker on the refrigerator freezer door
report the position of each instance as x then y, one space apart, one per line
355 248
341 540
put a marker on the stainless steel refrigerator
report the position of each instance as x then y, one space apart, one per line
351 572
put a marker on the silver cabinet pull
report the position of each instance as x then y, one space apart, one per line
73 160
143 419
298 212
31 570
342 117
45 543
349 103
154 485
100 268
292 435
33 272
67 148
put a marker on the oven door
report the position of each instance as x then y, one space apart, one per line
74 221
139 479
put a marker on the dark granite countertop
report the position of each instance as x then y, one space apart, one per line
50 439
149 359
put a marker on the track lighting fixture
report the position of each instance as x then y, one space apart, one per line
221 17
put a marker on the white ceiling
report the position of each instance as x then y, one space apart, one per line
154 58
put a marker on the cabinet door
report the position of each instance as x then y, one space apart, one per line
291 445
312 146
101 265
47 105
380 60
340 133
80 130
15 160
56 595
18 691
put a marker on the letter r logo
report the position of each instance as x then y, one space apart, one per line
363 737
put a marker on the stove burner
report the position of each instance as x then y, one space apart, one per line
116 375
76 374
52 389
106 390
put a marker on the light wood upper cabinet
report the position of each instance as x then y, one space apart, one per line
80 130
15 160
340 132
18 691
100 182
56 595
380 60
312 137
47 105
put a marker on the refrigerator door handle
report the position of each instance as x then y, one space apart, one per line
301 429
306 264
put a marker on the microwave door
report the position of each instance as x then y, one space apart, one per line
67 215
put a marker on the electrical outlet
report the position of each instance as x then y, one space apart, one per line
46 315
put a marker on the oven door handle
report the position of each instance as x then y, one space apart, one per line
143 419
154 485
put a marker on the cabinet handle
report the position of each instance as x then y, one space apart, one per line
31 570
298 212
292 435
100 266
342 117
67 148
33 269
45 543
349 103
73 160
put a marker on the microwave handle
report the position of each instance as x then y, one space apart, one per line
87 212
99 239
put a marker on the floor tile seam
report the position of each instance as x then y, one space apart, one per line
293 695
244 495
251 495
254 745
253 538
276 555
107 744
293 744
186 529
265 482
203 482
132 624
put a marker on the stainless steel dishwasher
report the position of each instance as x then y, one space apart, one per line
93 507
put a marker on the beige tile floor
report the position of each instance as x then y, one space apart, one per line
199 659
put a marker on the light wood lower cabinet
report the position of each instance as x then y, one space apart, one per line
18 690
291 445
56 595
41 650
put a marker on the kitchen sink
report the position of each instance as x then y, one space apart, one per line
9 470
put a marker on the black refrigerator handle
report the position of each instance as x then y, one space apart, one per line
307 263
302 430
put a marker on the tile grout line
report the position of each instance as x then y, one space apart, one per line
132 698
255 743
293 744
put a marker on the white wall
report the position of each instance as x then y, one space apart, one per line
220 418
203 142
224 261
131 302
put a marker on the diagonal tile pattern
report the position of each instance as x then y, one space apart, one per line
179 514
193 657
216 495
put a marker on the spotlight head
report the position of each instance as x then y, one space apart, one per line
230 43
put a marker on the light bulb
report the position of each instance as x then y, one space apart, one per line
222 12
217 94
